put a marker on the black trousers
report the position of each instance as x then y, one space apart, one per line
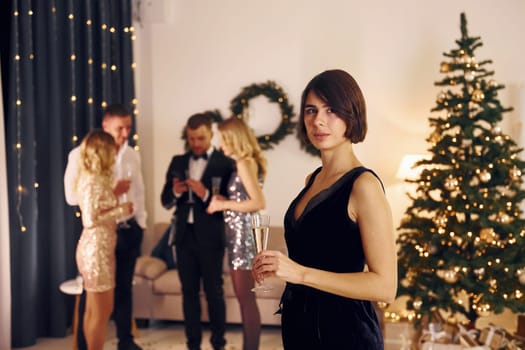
195 263
126 253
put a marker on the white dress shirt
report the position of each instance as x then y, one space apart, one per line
126 157
196 169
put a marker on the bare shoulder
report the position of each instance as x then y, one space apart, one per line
246 164
366 184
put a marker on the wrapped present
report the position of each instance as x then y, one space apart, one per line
434 335
468 338
521 326
494 337
515 342
451 327
437 346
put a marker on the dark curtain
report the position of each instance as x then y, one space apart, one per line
65 61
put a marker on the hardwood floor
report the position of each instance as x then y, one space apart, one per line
170 336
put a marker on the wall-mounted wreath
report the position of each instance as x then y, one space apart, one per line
240 104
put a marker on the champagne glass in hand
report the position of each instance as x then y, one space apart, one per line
261 231
125 172
190 192
215 185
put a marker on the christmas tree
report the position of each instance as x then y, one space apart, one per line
462 239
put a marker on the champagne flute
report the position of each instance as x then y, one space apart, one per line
125 171
261 231
215 185
190 192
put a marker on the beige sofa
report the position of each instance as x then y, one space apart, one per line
157 291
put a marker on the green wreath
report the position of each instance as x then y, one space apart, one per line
275 94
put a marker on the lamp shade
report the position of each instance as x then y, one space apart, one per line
406 168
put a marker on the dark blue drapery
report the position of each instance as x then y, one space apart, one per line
62 62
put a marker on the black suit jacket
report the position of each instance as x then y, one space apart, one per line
209 229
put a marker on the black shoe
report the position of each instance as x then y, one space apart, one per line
129 346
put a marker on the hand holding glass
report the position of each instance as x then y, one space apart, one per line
215 185
124 173
190 192
261 231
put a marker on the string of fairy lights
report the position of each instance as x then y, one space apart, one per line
107 67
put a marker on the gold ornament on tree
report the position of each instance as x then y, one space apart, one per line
449 276
479 272
451 183
521 276
515 173
470 76
488 235
478 95
417 303
444 68
485 176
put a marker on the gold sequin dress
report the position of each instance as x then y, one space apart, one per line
95 253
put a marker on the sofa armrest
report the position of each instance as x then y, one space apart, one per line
149 267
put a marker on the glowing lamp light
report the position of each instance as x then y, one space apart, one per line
406 169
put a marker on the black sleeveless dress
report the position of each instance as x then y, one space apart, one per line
324 237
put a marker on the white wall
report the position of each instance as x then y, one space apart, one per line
197 55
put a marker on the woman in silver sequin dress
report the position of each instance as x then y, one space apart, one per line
245 197
95 254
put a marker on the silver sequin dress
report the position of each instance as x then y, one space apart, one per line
239 238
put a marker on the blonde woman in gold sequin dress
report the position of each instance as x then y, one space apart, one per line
95 254
245 197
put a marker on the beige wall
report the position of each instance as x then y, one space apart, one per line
197 55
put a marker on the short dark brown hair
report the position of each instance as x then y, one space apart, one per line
116 109
196 120
340 91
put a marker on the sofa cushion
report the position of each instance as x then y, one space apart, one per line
167 283
149 267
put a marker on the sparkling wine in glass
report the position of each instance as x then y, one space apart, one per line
261 232
190 192
215 185
125 172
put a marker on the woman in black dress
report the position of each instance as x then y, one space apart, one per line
338 230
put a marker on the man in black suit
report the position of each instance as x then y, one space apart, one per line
199 237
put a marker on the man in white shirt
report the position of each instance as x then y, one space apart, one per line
129 184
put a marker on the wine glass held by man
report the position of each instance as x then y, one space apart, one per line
338 230
245 199
199 236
